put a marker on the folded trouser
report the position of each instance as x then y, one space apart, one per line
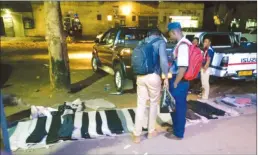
179 116
148 89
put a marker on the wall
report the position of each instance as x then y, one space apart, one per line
18 25
39 20
88 12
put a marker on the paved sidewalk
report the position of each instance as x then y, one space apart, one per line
227 136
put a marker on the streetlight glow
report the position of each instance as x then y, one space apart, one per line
126 10
7 13
109 18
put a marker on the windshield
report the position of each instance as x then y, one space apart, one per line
136 35
219 39
133 34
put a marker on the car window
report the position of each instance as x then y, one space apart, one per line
109 37
133 34
218 39
105 37
189 37
112 37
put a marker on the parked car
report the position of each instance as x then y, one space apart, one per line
114 49
231 59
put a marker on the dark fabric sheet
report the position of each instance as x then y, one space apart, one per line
67 127
99 123
191 115
39 132
205 110
132 114
54 128
113 121
85 125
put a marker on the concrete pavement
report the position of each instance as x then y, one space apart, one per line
226 136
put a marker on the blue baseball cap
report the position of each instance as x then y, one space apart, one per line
173 26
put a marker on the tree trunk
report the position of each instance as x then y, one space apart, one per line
57 47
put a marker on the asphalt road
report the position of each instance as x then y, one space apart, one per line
25 73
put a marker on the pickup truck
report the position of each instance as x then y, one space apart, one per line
250 35
230 59
112 51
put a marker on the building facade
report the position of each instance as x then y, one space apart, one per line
97 17
16 19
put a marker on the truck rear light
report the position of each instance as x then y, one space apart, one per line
224 62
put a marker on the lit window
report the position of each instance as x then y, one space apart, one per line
109 18
185 21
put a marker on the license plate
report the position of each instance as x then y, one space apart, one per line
245 73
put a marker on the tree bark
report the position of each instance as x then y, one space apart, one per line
57 47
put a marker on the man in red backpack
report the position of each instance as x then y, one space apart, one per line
178 86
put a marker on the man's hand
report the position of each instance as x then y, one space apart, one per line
204 69
166 83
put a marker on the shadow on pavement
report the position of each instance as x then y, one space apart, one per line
6 71
13 119
84 147
76 87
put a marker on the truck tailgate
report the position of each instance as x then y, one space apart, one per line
242 62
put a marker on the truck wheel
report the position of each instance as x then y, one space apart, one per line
119 79
94 64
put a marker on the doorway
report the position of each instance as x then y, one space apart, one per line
8 26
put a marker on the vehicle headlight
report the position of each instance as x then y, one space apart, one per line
126 51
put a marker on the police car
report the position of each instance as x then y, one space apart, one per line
231 60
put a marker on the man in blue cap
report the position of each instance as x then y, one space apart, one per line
178 86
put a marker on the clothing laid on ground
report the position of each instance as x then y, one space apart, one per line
39 132
91 124
67 127
85 126
236 101
113 121
205 110
54 128
191 115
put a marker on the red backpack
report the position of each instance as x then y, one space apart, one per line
195 61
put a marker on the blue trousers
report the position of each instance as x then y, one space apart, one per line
179 116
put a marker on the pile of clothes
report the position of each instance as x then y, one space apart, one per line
70 122
238 100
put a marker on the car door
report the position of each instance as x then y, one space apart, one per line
101 47
108 48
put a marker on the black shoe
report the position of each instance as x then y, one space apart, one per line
172 136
